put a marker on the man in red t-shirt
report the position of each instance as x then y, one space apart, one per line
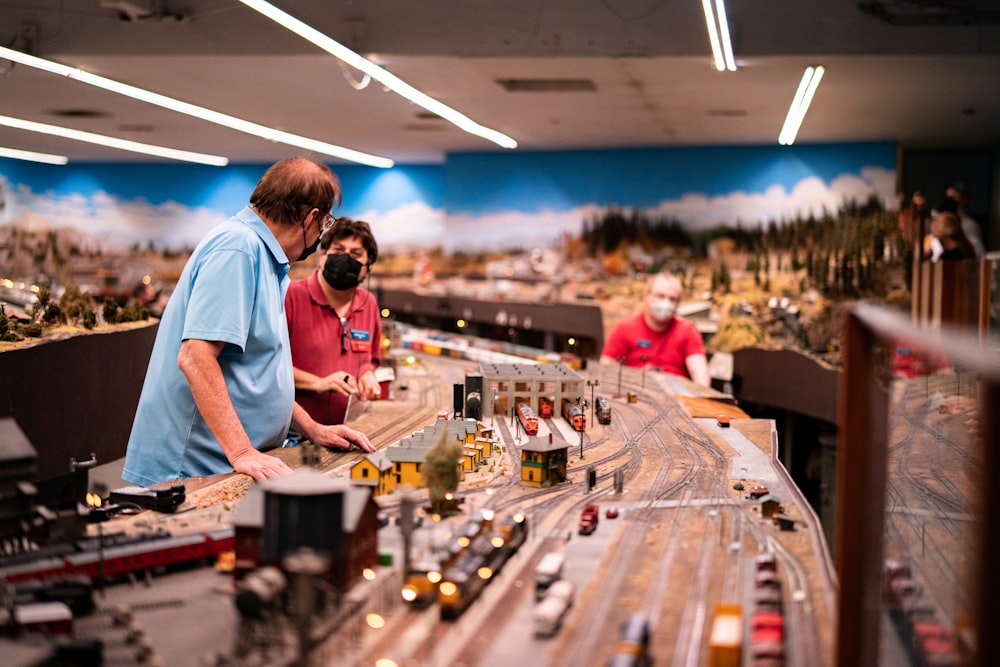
334 325
657 337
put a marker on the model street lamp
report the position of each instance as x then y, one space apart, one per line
621 365
644 358
593 385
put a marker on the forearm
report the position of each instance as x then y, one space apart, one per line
697 365
306 380
303 423
198 360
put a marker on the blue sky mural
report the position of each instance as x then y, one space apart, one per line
488 200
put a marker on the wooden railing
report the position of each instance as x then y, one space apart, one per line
893 427
952 292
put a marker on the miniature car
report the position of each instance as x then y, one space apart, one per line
757 491
611 513
723 420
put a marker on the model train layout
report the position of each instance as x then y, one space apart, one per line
687 537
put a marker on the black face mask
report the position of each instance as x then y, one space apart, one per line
342 272
308 251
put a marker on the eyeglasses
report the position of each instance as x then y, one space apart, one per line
328 222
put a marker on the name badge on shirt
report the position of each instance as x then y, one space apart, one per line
642 342
361 340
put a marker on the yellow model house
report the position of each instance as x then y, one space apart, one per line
375 472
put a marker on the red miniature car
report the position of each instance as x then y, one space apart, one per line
611 513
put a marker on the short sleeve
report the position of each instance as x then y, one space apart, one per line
222 298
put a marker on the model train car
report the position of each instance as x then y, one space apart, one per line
929 642
632 649
483 350
545 407
602 409
420 587
574 415
527 418
158 549
469 575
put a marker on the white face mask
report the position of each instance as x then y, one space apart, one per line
662 309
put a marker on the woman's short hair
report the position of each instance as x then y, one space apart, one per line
345 228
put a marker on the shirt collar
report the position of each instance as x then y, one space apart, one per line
249 218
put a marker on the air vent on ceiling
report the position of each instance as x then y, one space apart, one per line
79 113
727 113
547 85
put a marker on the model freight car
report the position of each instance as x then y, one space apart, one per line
602 409
725 641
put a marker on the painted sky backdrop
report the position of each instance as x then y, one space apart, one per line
473 201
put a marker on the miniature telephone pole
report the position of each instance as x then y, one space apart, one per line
406 504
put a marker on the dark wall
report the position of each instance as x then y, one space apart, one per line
76 396
932 170
786 379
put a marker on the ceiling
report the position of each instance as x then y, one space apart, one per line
923 73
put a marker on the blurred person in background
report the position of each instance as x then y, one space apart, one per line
657 337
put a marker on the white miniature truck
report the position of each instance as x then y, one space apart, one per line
548 572
548 614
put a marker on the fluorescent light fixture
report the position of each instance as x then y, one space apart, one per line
111 142
800 104
193 110
47 158
718 35
390 81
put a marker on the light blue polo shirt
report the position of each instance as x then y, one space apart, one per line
231 290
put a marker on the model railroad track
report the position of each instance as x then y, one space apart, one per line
905 492
801 635
696 615
630 550
932 561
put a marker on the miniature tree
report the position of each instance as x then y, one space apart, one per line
110 311
41 303
8 329
89 319
441 472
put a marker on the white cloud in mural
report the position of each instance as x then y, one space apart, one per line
514 229
414 224
115 222
694 211
808 196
